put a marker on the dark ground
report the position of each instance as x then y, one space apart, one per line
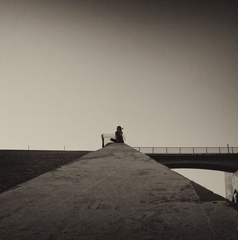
18 166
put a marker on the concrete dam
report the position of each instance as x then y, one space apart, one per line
115 193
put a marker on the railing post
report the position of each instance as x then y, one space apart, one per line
102 140
228 148
206 150
193 150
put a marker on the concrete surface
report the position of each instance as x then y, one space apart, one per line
113 193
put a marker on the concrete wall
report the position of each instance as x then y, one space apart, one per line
115 193
231 183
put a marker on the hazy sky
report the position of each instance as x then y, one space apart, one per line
166 71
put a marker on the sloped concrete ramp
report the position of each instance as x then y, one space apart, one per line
113 193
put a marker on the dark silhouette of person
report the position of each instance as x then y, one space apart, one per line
118 136
235 196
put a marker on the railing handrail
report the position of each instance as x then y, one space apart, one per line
188 150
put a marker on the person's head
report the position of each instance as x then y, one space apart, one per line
119 128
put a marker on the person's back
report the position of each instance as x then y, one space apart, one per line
119 135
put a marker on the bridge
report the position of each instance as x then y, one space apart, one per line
212 158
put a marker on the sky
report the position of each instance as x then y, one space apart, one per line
166 71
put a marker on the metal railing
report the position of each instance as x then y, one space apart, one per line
106 139
187 150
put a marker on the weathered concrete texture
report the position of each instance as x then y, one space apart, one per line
231 183
113 193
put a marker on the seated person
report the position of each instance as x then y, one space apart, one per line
118 136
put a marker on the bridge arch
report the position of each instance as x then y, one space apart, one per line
218 162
